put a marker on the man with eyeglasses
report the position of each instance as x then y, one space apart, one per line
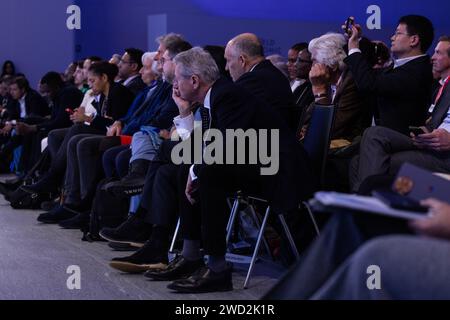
292 59
403 90
129 66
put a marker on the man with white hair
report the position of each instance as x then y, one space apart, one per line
332 83
225 106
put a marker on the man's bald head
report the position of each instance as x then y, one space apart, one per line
242 53
247 44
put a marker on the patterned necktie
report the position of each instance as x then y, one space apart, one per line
204 112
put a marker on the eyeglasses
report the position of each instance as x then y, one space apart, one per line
292 61
399 33
125 62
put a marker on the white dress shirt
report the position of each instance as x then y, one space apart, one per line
23 109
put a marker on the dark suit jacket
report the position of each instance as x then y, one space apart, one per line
270 85
440 109
120 99
35 106
403 93
136 85
233 107
67 98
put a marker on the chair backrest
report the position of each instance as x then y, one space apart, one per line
317 139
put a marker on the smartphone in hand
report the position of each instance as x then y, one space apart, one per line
348 26
416 130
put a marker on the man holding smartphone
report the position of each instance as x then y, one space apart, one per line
384 150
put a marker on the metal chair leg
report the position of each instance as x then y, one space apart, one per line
308 208
232 218
258 244
175 235
289 236
258 225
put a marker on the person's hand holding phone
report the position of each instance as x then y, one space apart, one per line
437 140
78 115
353 31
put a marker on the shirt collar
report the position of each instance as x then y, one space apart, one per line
22 100
126 82
443 80
207 101
401 62
253 68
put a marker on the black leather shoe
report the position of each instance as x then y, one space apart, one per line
204 280
80 221
149 257
118 246
134 231
56 215
178 268
49 205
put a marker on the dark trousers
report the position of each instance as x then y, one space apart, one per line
116 161
59 162
160 194
84 168
208 222
343 235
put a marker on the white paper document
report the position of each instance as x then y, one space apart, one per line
364 203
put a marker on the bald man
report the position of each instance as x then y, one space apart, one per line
249 69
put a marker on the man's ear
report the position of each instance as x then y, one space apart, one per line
242 60
195 81
415 41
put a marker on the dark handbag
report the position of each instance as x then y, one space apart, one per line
21 199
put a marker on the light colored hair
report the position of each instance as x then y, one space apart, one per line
328 49
151 55
169 38
199 62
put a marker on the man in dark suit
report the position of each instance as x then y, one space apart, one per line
129 67
226 106
249 69
384 150
403 91
303 95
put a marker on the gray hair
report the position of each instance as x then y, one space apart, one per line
328 49
169 38
148 55
199 62
151 55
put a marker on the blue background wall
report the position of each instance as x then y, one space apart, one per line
34 33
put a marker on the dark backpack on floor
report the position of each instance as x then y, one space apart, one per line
21 199
107 212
